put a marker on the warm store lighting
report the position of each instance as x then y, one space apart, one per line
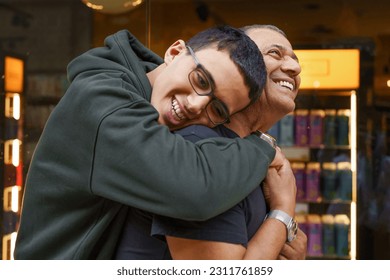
13 74
112 6
11 198
12 152
12 105
353 126
9 246
329 68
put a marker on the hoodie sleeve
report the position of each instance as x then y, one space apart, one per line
148 167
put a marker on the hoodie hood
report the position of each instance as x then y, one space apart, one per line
121 52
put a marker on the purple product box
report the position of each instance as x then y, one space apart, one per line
314 236
300 178
301 127
313 170
316 118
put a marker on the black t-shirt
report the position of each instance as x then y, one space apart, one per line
143 237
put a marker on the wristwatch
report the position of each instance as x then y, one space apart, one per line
291 224
266 137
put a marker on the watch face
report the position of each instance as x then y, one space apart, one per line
292 230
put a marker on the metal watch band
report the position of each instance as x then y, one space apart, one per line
291 224
266 137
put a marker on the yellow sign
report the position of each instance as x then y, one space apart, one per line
14 74
329 69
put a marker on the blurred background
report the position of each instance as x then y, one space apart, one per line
46 35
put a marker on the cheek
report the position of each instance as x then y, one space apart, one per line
284 104
235 95
155 99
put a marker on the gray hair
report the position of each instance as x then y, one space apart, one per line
263 26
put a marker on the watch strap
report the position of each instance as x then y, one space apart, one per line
290 223
266 137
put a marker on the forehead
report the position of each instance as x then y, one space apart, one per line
267 38
215 61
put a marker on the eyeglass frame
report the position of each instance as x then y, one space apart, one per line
198 67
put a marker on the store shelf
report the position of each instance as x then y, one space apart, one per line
325 173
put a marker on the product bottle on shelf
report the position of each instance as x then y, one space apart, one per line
329 181
314 235
329 131
328 235
343 127
342 223
316 118
286 131
344 181
300 179
313 181
301 127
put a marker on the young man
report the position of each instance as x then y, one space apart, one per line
102 149
238 233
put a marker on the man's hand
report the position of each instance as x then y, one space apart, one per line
279 186
295 250
279 159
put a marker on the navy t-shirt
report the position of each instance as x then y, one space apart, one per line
143 236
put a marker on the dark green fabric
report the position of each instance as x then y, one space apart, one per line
102 148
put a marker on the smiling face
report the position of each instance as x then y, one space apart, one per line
283 80
176 100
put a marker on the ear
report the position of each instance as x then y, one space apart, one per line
174 50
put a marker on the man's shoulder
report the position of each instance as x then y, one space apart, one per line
197 131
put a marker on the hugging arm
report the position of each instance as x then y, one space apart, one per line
152 169
268 240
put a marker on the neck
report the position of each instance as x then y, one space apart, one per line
244 123
251 119
152 75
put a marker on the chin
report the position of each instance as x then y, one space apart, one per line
284 109
292 109
288 107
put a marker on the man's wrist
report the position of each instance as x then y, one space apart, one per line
287 220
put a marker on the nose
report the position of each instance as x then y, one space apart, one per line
196 104
292 66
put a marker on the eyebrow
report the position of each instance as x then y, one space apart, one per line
283 48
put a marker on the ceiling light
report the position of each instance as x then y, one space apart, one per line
112 6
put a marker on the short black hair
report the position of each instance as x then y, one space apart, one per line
242 51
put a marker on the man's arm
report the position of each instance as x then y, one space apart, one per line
154 170
269 239
269 243
265 245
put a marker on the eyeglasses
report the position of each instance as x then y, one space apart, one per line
203 85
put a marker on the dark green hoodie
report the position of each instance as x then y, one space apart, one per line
102 150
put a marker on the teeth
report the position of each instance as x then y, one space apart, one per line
286 84
176 110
